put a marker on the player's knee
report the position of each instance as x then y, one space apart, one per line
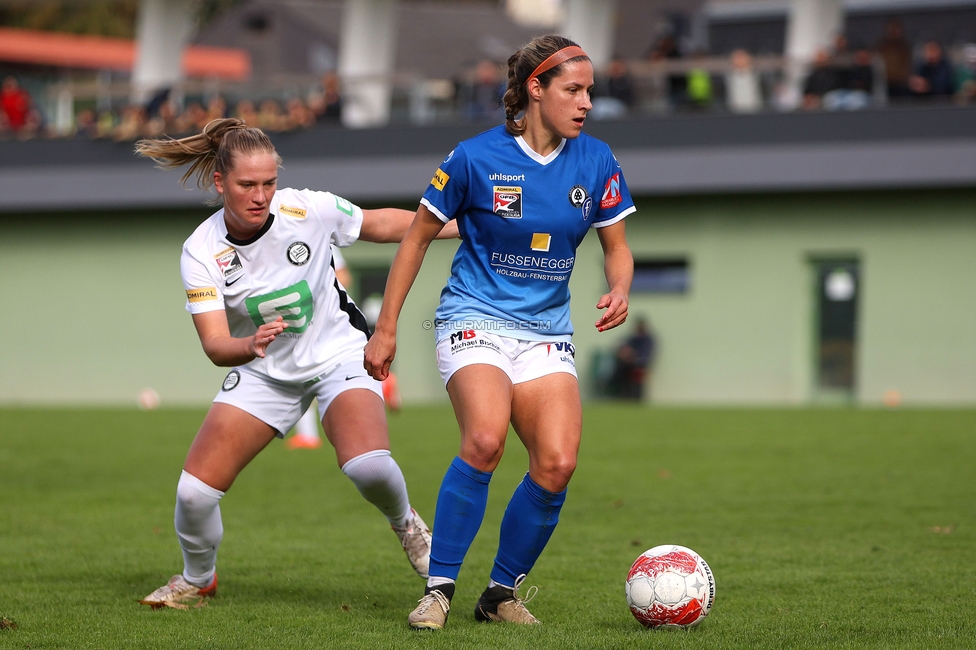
482 452
555 472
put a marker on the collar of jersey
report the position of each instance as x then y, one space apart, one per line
542 160
250 240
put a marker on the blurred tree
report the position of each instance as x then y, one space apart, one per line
102 18
115 18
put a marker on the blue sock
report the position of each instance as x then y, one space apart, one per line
460 510
529 520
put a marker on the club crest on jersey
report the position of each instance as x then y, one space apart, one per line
611 193
229 263
507 202
231 380
577 196
299 253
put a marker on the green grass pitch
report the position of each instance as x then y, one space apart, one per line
824 528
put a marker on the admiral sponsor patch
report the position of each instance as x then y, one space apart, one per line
507 202
204 294
611 193
440 179
298 213
541 241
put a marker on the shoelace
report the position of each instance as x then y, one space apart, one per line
529 593
430 599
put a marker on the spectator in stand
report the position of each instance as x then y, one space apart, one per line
614 96
934 76
742 90
666 50
854 80
821 80
861 75
216 108
18 108
634 360
132 124
966 75
699 83
270 117
326 105
193 119
896 53
480 97
246 112
164 122
86 125
298 115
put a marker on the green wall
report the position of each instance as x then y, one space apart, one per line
94 303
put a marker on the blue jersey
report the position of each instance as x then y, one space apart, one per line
521 217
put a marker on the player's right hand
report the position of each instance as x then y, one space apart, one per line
378 354
265 335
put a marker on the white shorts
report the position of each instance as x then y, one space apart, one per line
281 404
521 360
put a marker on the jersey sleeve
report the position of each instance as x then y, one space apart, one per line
615 200
203 292
446 193
341 219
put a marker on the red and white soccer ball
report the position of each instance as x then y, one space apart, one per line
670 586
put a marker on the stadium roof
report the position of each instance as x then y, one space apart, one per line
100 53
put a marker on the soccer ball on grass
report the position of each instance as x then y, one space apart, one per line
670 586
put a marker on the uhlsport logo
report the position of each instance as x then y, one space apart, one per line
293 304
299 253
507 202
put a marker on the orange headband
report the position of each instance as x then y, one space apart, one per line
560 56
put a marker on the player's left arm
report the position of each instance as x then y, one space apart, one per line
618 266
389 225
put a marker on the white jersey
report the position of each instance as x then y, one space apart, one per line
284 270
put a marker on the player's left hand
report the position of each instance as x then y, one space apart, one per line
616 311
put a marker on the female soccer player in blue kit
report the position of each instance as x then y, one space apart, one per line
524 196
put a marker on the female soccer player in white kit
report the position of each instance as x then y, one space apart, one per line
264 299
524 196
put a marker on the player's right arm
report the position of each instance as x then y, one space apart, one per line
381 347
226 350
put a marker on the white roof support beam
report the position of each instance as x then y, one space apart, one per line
811 25
367 53
163 30
592 24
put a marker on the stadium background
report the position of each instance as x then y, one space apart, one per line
747 214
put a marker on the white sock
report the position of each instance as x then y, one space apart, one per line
308 425
199 528
379 479
437 581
